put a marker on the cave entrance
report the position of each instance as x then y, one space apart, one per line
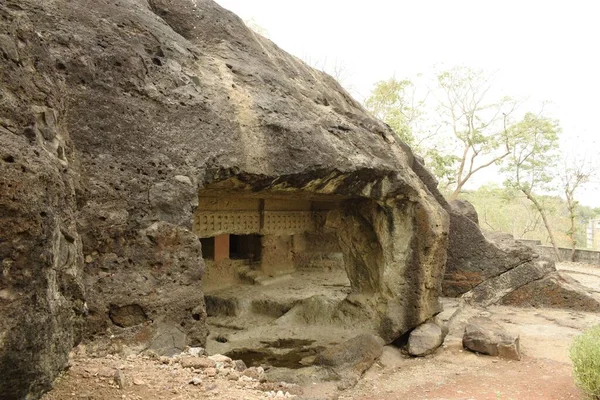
266 257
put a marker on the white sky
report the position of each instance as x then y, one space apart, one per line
538 50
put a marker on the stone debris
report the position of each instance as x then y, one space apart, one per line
279 394
151 374
138 382
482 335
195 351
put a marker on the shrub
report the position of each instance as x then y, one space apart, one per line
585 355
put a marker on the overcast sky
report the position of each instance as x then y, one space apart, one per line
537 50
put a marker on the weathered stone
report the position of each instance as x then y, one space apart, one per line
41 286
197 362
251 372
119 379
239 365
352 357
555 290
493 268
107 140
465 208
220 359
493 290
126 316
482 335
196 381
425 339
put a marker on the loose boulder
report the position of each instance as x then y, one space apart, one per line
425 339
482 335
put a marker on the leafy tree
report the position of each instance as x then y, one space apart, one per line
468 117
394 103
478 124
531 161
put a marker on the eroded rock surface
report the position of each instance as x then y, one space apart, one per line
353 357
426 338
492 268
114 114
41 289
485 336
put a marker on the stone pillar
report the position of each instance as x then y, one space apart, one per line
221 248
276 257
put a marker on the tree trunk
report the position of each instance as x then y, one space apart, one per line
573 228
542 212
456 192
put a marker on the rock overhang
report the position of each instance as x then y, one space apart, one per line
151 107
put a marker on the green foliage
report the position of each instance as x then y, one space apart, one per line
535 154
392 101
585 355
442 165
453 123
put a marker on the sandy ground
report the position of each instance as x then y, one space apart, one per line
544 373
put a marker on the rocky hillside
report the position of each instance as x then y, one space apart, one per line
114 114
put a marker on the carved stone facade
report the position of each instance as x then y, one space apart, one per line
247 237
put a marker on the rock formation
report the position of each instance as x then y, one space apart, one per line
148 143
492 268
115 115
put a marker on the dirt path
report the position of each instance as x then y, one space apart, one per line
451 373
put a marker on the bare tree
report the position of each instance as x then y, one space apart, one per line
575 173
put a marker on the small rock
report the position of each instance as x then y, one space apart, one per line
197 362
138 382
234 376
165 360
245 378
280 394
262 377
91 371
196 381
183 179
239 365
210 372
220 358
119 378
251 372
195 351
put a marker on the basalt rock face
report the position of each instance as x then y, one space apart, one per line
113 114
41 286
492 268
